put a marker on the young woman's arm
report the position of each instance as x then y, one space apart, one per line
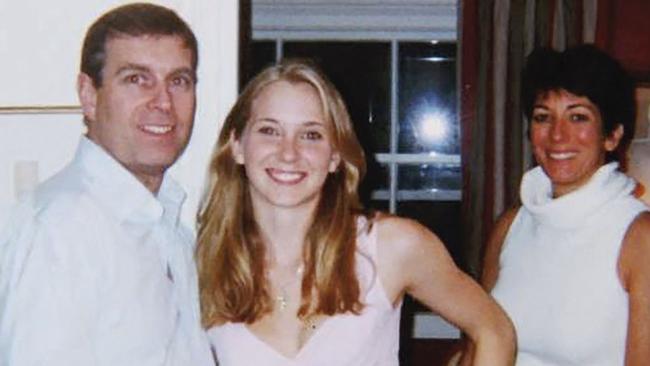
413 260
634 272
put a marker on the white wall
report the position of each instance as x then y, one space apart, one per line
40 44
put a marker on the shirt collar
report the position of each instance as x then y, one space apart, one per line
121 192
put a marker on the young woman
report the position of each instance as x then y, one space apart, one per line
292 271
570 266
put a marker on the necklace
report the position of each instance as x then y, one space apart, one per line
282 298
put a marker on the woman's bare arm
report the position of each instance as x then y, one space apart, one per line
634 272
415 261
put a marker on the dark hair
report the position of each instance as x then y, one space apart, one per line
588 72
134 20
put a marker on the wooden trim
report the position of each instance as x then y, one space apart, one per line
41 109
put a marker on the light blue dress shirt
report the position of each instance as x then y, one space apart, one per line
96 270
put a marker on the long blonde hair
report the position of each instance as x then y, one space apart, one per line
231 255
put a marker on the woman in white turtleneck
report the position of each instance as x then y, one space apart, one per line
571 265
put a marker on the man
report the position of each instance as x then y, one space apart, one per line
95 268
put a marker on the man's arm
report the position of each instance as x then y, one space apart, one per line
48 299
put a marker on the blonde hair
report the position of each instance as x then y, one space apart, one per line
231 255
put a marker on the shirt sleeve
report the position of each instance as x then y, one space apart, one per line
48 298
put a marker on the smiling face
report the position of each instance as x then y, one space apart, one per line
143 112
286 146
567 137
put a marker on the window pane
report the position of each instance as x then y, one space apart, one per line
375 184
262 55
441 217
427 98
378 205
429 176
361 72
378 176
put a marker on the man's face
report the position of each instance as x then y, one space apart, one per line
143 112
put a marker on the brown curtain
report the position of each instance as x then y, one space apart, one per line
495 37
623 30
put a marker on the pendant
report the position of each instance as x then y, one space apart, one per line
282 301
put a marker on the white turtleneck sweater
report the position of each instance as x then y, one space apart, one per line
558 278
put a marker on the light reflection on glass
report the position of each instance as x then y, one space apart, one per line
427 99
436 59
433 127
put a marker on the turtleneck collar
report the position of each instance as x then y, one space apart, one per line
571 209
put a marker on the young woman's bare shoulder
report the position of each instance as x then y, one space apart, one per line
403 236
406 240
406 251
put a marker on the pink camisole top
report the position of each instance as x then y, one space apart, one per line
368 339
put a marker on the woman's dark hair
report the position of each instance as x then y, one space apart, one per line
588 72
